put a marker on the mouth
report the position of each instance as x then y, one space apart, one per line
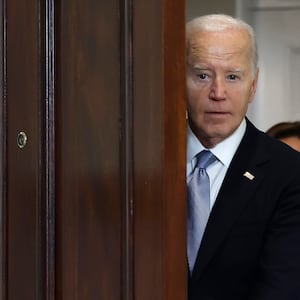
220 113
218 116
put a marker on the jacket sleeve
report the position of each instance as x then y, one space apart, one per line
278 276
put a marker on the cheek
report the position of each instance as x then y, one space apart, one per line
189 85
250 91
193 98
193 91
242 97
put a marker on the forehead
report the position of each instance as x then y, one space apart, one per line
224 45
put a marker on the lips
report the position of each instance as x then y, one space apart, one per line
218 112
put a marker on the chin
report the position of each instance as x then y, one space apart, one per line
218 133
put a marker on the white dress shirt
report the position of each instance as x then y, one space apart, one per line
224 151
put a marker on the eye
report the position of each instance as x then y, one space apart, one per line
202 76
232 77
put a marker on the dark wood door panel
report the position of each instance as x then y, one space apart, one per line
88 194
21 92
94 204
159 148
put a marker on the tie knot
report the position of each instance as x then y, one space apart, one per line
204 159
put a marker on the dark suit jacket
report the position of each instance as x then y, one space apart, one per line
251 245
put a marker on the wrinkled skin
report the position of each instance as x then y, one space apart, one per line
221 82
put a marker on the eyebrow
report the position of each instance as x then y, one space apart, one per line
197 68
236 71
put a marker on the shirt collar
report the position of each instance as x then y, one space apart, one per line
224 151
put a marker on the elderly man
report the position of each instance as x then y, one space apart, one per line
243 186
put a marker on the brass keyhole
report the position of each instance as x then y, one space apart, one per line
22 139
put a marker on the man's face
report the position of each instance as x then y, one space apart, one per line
220 84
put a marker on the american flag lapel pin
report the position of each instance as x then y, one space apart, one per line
248 175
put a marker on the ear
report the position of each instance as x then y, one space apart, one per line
254 86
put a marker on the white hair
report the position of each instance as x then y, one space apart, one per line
221 22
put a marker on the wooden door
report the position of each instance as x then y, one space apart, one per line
94 203
21 173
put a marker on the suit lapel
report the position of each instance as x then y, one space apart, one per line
237 189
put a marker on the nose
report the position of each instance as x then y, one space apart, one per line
218 89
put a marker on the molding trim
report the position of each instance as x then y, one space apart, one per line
275 4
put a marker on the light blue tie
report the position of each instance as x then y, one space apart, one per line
198 204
